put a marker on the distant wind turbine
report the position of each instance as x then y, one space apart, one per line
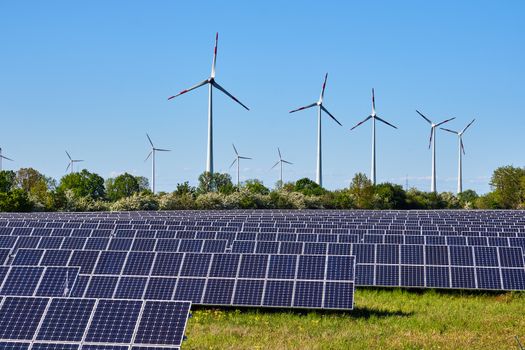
432 143
72 162
152 155
3 157
373 116
211 84
238 161
461 149
280 162
320 107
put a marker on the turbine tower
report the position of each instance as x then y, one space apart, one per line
152 155
461 149
212 83
432 143
3 157
280 162
71 162
320 108
238 161
373 116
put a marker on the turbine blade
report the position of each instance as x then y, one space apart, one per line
431 134
77 160
469 124
4 157
68 155
149 155
214 56
324 87
374 101
462 147
445 121
235 149
228 94
305 107
361 122
68 165
330 114
233 163
150 142
452 131
162 150
287 162
387 123
275 165
428 120
188 90
245 157
278 150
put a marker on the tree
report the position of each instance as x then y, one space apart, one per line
362 191
125 185
7 180
16 200
507 184
389 196
83 184
256 186
308 187
467 198
185 189
209 182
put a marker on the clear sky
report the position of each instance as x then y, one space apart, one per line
93 77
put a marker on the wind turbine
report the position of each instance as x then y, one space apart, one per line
238 160
461 149
3 157
71 162
320 107
152 155
373 116
432 143
280 162
211 84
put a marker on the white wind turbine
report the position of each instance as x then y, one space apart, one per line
72 162
320 107
211 84
461 149
373 116
432 143
238 161
152 155
280 162
3 157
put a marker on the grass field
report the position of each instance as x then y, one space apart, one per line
383 319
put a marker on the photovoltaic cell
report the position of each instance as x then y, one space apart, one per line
114 321
66 319
19 317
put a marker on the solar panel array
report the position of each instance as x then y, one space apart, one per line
82 323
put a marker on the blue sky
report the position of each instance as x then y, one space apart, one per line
93 77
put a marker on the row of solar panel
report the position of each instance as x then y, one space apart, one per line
44 281
92 321
72 346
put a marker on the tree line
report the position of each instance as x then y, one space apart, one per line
29 190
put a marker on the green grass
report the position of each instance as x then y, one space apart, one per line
383 319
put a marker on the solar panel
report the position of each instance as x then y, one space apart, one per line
114 321
19 317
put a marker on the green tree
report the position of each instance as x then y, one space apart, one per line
308 187
507 185
7 180
362 191
83 184
256 186
468 198
125 185
185 189
16 200
215 182
389 196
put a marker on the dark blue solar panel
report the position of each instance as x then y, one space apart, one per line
291 248
265 247
282 266
437 277
101 287
114 321
14 346
86 259
364 275
214 246
96 243
167 264
28 257
253 266
195 265
364 253
436 255
387 275
315 248
22 280
308 294
510 257
123 244
143 244
190 245
412 276
218 291
160 288
513 279
340 268
387 254
339 295
130 287
249 292
278 293
55 258
412 254
57 281
110 263
311 267
162 323
66 319
139 263
224 265
461 256
463 277
105 347
486 256
54 346
488 278
73 243
19 317
243 247
190 289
